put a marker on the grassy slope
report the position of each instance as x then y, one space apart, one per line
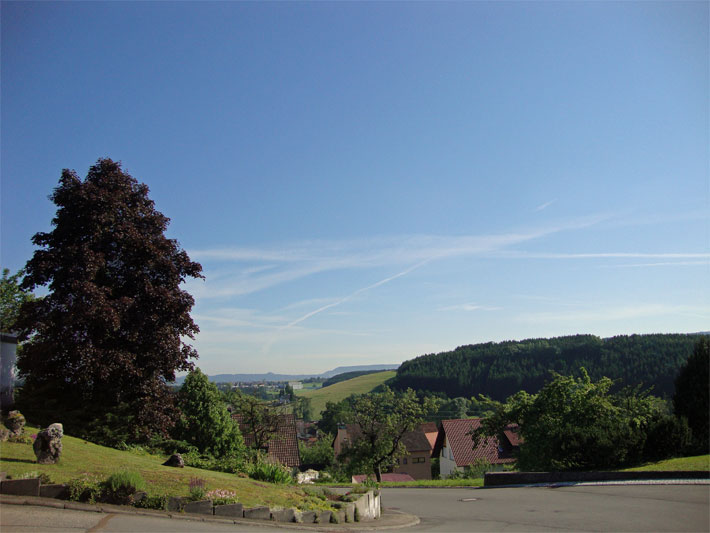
340 391
79 457
699 462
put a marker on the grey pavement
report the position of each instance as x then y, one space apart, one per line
570 508
582 507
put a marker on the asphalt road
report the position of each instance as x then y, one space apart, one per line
578 508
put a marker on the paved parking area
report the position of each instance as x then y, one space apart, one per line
568 508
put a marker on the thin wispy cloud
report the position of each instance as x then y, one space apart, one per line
545 205
468 307
599 255
292 261
344 299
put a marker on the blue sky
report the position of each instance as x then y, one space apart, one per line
368 182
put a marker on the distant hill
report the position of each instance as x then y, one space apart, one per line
501 369
358 368
270 376
346 376
340 391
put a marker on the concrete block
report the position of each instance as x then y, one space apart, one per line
306 517
350 512
323 517
230 509
258 513
283 515
20 487
201 507
57 490
175 504
338 517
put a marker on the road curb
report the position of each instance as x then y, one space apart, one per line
390 519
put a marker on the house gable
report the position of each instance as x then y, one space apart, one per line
283 447
455 436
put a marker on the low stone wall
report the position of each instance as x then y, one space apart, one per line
366 507
498 479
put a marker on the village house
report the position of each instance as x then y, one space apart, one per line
455 450
417 462
283 446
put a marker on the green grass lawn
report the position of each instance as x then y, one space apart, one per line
699 462
80 457
340 391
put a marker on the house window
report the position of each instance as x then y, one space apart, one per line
404 461
419 460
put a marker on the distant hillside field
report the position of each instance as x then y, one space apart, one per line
340 391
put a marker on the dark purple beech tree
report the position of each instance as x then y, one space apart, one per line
103 344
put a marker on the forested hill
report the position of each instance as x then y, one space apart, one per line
501 369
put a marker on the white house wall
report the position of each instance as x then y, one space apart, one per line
446 461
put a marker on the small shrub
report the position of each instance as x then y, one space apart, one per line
121 486
263 470
85 489
159 502
197 489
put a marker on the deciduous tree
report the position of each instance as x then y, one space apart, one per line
574 423
12 296
112 329
692 394
205 422
384 418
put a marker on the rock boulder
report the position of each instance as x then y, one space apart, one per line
48 444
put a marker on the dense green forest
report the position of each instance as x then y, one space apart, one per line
501 369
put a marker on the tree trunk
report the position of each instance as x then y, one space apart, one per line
378 474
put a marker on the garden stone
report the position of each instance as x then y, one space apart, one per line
307 517
48 444
201 507
283 515
15 423
20 487
323 517
175 504
350 512
54 490
175 460
229 509
258 513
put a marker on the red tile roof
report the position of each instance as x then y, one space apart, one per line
431 430
415 441
459 440
284 446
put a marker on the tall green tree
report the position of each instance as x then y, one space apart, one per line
692 394
574 423
336 413
112 329
259 419
12 296
205 422
384 418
